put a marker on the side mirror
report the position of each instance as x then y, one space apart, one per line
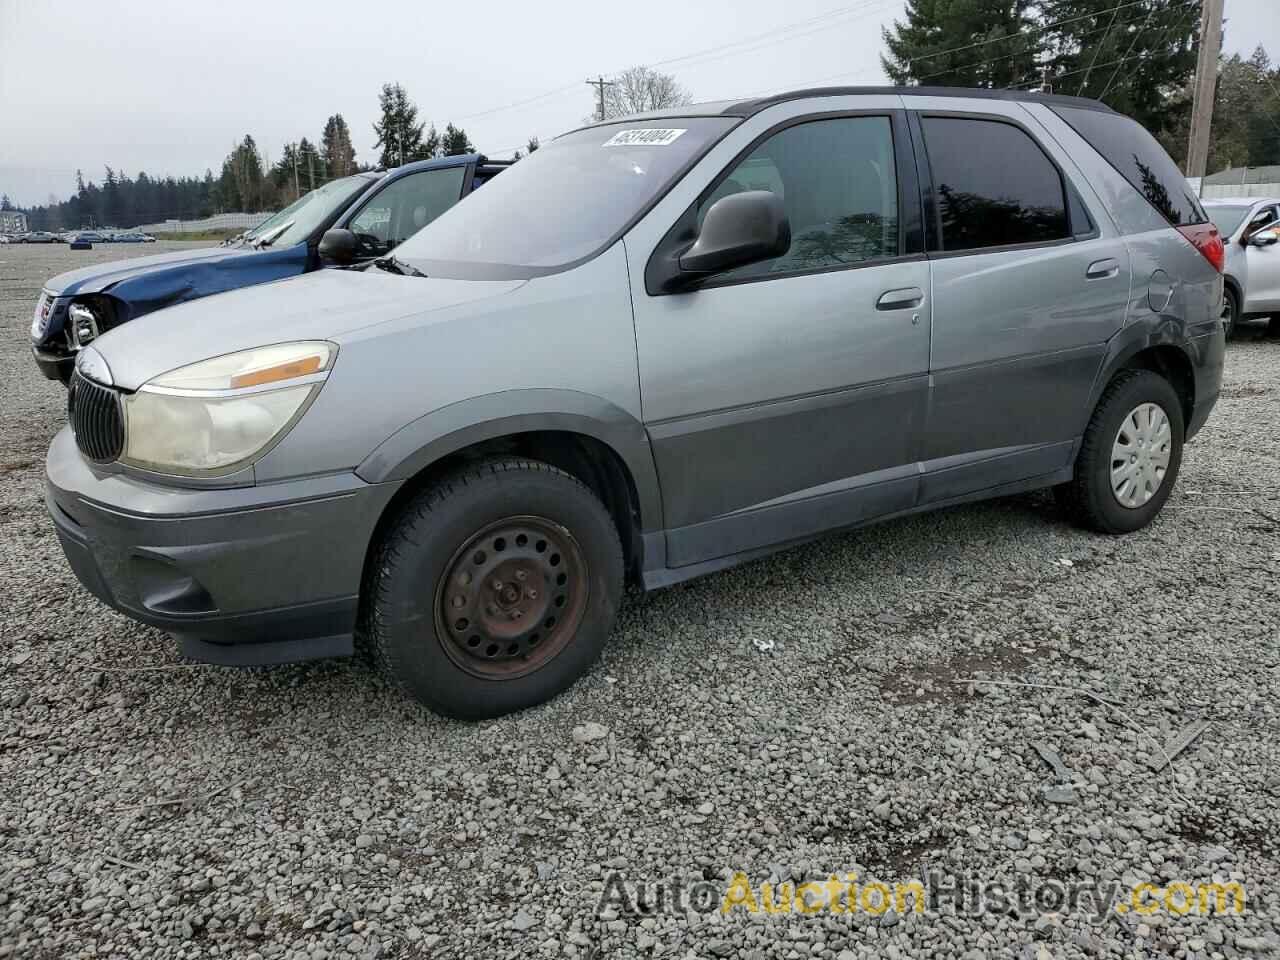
339 246
1264 238
737 230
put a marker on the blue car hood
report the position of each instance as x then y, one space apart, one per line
103 276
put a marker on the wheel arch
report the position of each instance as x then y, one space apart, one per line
1234 285
588 437
1161 349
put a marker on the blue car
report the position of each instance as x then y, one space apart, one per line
370 214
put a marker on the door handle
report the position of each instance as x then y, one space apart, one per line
903 299
1102 269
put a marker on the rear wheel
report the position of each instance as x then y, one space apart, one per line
1129 457
494 589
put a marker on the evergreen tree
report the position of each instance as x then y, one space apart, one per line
336 150
287 175
1135 59
430 146
533 144
455 141
399 133
963 43
310 166
1246 115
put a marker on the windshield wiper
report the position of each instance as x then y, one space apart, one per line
270 236
397 266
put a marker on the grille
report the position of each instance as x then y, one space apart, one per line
96 419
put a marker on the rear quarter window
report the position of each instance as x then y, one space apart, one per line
1126 145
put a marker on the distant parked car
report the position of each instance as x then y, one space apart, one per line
41 236
128 238
1250 228
4 238
86 236
365 215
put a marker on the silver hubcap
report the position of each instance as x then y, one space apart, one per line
1140 455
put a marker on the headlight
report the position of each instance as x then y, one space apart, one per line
216 416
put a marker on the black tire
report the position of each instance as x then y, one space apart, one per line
408 622
1230 312
1088 498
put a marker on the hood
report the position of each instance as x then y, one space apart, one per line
102 276
318 306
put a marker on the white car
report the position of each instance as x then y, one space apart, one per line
1250 228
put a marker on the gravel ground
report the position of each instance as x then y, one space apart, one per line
152 807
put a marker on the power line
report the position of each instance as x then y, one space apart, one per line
1101 43
1016 53
1039 29
861 6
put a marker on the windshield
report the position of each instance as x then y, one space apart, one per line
301 217
1226 219
564 203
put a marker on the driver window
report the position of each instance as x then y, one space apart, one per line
402 209
837 182
1264 218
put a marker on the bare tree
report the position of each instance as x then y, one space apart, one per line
640 89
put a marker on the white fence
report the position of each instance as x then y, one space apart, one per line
1242 182
1210 190
220 221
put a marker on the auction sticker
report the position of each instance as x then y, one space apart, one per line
643 138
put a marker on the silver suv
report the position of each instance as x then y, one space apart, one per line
653 349
1250 228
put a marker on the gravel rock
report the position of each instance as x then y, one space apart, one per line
157 808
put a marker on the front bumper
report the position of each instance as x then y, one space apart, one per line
55 366
246 575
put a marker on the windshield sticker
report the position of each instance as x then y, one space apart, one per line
643 138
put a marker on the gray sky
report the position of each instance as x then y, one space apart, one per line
170 87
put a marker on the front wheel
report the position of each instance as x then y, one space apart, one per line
1129 457
494 589
1230 312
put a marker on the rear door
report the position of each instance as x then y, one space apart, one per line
787 397
1028 286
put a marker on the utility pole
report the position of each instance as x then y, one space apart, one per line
1205 84
297 190
600 85
311 170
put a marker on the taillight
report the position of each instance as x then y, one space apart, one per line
1205 238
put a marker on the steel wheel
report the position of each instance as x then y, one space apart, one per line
512 597
1140 455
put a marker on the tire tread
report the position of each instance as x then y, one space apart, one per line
418 510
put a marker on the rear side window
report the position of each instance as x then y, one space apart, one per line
995 186
1126 145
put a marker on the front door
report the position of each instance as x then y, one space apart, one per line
1263 284
787 397
403 207
1028 287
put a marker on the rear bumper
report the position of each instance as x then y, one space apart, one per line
1207 355
248 575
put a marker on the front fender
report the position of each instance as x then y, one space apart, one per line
467 422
